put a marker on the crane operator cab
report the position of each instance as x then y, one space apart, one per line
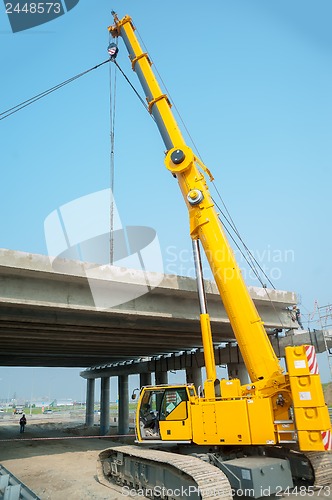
149 421
163 412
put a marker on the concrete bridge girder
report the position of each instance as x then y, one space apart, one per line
48 315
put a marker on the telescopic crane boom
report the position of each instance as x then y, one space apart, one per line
205 226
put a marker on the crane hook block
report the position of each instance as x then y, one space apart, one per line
113 50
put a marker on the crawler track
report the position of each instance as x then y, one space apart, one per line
189 470
210 481
322 466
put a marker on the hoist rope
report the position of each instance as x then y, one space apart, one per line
112 160
24 104
251 257
132 86
237 245
252 262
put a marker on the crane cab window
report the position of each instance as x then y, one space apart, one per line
174 404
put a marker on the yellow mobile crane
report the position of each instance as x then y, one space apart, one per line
264 436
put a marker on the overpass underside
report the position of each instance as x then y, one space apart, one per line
75 314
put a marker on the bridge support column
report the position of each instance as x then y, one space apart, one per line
123 412
238 370
161 378
90 402
194 376
144 379
104 406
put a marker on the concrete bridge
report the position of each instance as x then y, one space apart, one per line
116 322
75 314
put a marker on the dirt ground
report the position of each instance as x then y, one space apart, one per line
56 458
54 469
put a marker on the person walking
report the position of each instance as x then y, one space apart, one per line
23 422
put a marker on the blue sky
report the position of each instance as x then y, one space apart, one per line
252 81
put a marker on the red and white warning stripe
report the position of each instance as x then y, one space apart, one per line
312 359
327 440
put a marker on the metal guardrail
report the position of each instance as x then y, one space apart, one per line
12 488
